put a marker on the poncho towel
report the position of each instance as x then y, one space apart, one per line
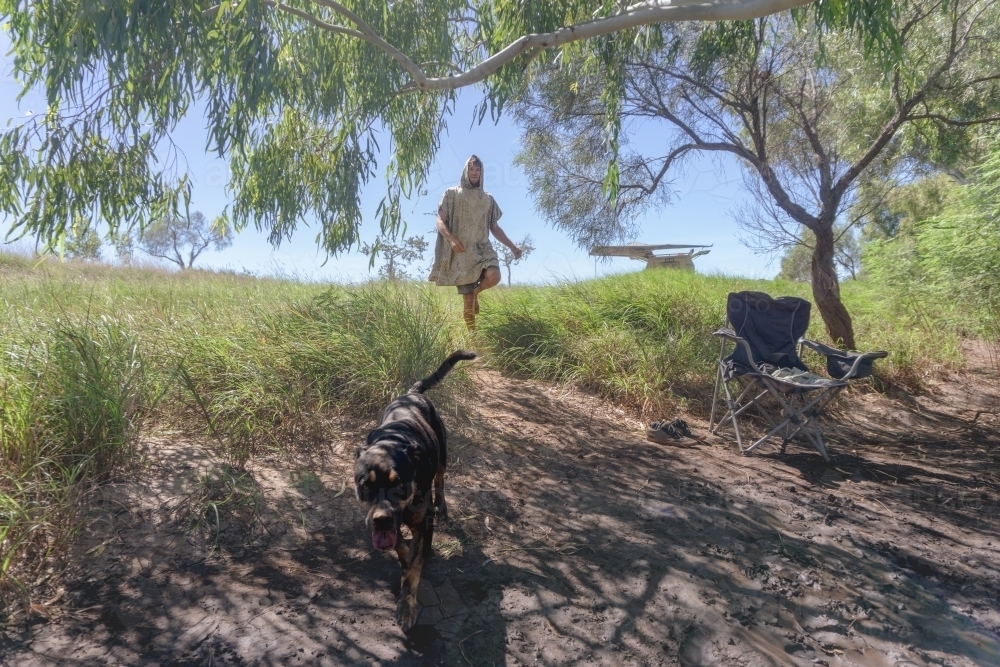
468 211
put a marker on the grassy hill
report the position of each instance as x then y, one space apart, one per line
93 356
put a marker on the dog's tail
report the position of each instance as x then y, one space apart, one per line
438 375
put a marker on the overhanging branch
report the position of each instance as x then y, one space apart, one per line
644 13
634 16
954 121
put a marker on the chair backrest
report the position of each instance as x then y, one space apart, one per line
771 326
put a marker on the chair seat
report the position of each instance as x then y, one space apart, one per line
794 380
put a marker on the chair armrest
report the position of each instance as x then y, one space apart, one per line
858 358
730 335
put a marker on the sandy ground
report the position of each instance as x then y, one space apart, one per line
572 541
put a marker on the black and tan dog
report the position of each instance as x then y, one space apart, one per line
402 460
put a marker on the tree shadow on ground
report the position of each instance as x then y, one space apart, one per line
572 540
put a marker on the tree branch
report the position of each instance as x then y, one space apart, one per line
373 38
822 160
679 152
643 13
901 116
178 257
952 121
311 18
640 14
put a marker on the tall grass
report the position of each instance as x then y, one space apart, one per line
267 382
643 339
93 355
90 355
72 402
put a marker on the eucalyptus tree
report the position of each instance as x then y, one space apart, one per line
399 255
302 97
808 117
83 242
506 255
181 240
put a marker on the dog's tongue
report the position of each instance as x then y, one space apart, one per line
383 539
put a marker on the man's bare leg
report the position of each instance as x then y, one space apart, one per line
490 278
469 310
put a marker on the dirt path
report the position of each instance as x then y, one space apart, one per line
573 540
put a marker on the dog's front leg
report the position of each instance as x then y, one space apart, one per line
406 609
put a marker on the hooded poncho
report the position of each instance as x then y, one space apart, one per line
469 212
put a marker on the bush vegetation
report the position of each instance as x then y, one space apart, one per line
93 355
950 253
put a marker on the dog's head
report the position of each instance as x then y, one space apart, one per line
383 479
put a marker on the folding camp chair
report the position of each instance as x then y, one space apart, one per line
764 362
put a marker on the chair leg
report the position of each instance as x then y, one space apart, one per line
768 435
719 379
806 423
752 402
729 403
762 411
734 412
736 407
715 398
820 445
733 406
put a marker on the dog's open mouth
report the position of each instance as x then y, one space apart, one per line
383 539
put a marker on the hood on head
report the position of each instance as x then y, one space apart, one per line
466 183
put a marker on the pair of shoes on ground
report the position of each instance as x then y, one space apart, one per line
674 432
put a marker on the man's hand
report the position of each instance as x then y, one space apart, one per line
517 252
456 245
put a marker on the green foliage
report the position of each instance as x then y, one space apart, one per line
262 384
904 206
389 336
643 339
821 131
88 352
796 264
15 260
564 124
876 23
299 97
83 243
952 254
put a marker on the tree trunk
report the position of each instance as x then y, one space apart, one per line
826 290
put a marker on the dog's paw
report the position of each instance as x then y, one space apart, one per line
441 511
406 612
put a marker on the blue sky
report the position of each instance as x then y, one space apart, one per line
706 195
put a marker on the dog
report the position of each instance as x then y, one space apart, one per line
402 461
